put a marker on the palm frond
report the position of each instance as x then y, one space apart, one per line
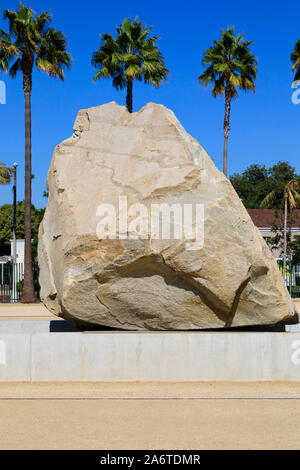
229 64
268 200
8 51
32 37
15 68
295 59
132 55
5 174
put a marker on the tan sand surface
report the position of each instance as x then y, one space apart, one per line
150 416
23 312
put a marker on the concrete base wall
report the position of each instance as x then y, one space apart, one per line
150 356
293 328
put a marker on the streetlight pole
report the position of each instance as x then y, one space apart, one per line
15 234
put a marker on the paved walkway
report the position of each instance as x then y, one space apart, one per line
20 311
150 416
145 416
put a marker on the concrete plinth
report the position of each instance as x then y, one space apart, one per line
150 356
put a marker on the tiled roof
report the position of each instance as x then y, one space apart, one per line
266 217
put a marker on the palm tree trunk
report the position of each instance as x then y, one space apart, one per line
285 238
28 290
129 96
226 128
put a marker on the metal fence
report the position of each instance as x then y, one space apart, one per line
296 292
296 287
11 282
292 277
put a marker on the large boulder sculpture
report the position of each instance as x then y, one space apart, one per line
105 261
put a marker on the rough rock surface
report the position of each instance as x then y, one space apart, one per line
150 283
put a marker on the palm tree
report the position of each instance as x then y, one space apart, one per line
291 198
295 58
131 56
231 65
31 41
5 174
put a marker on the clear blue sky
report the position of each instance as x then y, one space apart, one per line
265 125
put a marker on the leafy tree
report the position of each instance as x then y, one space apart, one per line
230 66
6 233
133 55
252 185
295 58
280 174
291 199
257 181
5 174
295 249
31 41
276 243
293 244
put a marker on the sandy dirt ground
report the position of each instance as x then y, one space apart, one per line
22 312
145 415
150 416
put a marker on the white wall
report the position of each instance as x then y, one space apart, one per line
151 356
20 249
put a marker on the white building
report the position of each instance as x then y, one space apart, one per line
20 249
